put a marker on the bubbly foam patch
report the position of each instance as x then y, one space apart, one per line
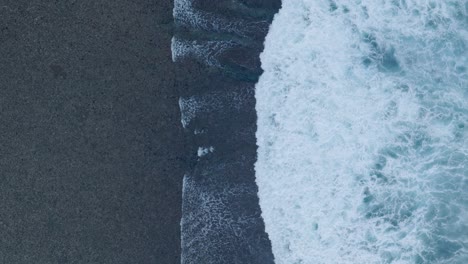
362 114
188 15
195 106
207 52
203 151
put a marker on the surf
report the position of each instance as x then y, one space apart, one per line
361 132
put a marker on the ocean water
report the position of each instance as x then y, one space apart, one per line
362 132
221 41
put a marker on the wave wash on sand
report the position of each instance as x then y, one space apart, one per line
221 40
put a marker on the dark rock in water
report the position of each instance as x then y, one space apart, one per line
221 219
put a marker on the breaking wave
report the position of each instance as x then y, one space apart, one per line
362 132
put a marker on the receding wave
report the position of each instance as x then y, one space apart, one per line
221 40
193 14
362 132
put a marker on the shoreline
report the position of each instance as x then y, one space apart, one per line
221 216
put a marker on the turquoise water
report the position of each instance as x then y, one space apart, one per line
362 132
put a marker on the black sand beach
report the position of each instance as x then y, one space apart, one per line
91 149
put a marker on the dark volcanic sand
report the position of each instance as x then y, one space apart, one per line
90 138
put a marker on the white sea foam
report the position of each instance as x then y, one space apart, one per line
207 52
362 114
199 131
212 225
203 151
204 104
186 14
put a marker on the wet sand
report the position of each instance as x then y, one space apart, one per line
91 149
221 217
